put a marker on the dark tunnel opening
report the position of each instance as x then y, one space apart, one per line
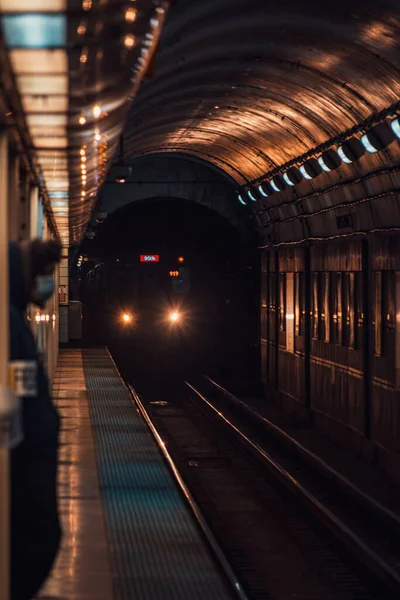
215 290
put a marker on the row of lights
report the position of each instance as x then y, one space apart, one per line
376 139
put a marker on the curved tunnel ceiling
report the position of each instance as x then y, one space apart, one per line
251 84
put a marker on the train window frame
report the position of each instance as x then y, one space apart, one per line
299 311
282 302
315 305
324 311
377 322
352 310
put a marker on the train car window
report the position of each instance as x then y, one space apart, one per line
388 312
377 323
282 301
359 294
315 305
272 300
336 307
339 304
352 310
325 308
299 304
345 309
263 288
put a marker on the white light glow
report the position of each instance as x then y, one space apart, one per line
367 144
34 30
96 111
262 191
288 180
323 165
241 200
250 195
304 172
274 186
343 156
395 125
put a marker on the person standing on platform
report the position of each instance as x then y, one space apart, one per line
35 528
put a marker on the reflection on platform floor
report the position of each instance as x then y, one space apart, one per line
82 569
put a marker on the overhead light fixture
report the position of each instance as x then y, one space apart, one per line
378 137
129 41
310 169
292 176
240 198
251 196
265 189
395 125
329 160
29 30
130 14
120 180
351 150
278 183
82 120
96 111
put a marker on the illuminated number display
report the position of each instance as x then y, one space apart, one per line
174 273
149 258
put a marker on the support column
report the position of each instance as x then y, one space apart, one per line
4 344
34 212
13 197
25 213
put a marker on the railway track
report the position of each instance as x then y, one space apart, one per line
287 526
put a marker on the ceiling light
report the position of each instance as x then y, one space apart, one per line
329 160
262 191
96 111
82 28
35 30
292 176
240 198
251 196
378 137
82 120
129 41
351 150
120 180
311 168
130 15
278 183
395 125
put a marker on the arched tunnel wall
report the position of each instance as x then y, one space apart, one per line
176 177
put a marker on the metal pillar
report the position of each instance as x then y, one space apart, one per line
4 344
34 213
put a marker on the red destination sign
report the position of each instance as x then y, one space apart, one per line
149 258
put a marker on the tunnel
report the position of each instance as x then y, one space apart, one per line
222 178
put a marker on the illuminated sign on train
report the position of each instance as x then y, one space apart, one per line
149 258
174 273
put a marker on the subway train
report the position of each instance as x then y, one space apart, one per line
139 295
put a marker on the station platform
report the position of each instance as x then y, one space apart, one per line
128 531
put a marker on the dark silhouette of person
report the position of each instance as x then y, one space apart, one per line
35 528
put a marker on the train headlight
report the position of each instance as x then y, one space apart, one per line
174 316
127 318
